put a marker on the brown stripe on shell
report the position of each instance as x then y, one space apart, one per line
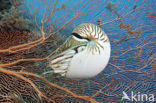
93 33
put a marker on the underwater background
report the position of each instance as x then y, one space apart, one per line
30 30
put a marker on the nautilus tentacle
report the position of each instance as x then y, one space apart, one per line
84 54
62 57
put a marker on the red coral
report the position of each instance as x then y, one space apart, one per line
11 38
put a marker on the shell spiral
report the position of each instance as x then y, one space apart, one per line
84 54
90 31
93 33
94 58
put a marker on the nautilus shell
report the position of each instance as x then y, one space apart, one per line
84 54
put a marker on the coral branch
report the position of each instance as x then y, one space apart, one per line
115 66
87 98
26 60
27 46
64 25
149 62
22 60
51 14
21 47
23 78
137 47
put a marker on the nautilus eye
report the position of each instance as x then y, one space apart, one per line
80 37
84 54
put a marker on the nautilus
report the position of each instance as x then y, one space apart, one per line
84 54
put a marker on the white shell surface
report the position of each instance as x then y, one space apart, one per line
83 61
86 65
